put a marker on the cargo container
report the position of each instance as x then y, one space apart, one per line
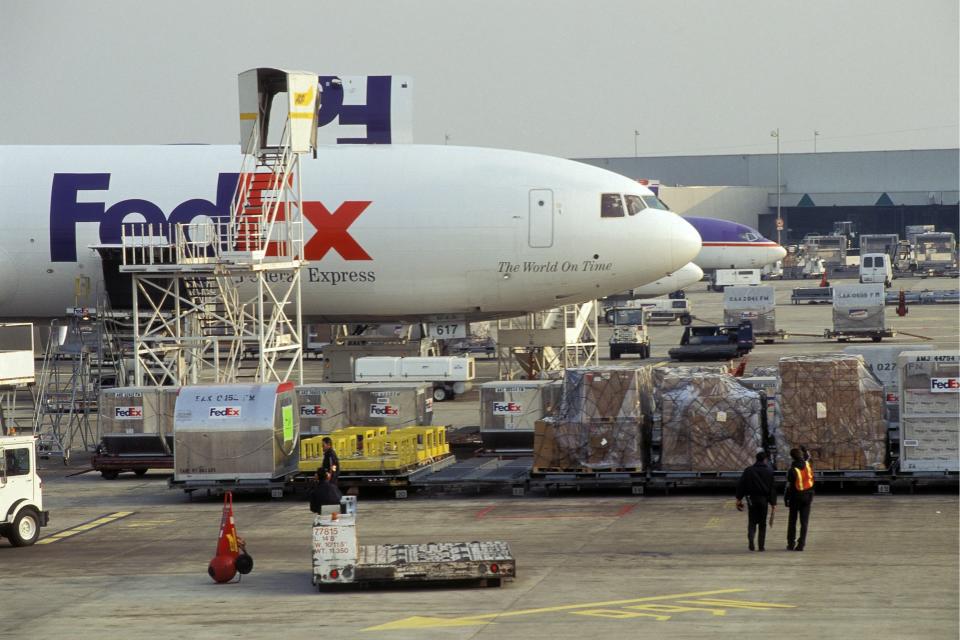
510 409
859 311
390 405
935 253
136 430
831 249
323 407
882 362
929 411
885 243
448 375
237 433
755 304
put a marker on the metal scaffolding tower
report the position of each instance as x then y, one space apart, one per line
205 294
530 346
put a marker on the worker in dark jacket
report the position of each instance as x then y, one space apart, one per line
757 486
323 493
798 496
331 463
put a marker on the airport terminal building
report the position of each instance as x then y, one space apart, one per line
879 191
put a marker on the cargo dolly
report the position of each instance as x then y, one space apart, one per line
339 561
846 335
482 472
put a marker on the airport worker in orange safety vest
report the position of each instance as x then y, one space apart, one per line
798 496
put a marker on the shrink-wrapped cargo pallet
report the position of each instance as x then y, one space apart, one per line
833 406
601 393
588 446
710 422
659 374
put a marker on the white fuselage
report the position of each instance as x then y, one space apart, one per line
405 231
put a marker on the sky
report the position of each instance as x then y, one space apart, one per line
562 77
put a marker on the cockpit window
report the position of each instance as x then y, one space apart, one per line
611 205
750 236
655 203
635 204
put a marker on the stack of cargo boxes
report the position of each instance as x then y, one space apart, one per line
832 405
600 425
709 422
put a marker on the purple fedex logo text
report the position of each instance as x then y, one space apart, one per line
66 210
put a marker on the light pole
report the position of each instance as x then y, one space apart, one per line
636 147
776 134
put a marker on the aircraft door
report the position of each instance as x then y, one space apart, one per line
541 218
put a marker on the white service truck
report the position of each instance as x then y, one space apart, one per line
449 375
723 278
21 491
629 333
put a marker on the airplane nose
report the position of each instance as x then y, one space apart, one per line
776 253
685 242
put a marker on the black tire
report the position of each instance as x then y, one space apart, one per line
887 284
243 563
110 474
142 471
686 320
440 394
614 354
25 529
645 351
876 338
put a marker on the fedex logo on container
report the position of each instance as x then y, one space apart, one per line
507 408
224 412
70 206
384 411
128 413
312 411
944 385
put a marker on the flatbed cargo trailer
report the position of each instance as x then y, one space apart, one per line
110 466
339 561
850 334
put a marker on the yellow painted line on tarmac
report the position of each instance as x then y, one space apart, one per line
427 622
86 526
145 524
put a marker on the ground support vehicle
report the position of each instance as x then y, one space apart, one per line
664 310
449 375
339 560
858 313
629 333
21 491
723 278
110 466
812 295
714 342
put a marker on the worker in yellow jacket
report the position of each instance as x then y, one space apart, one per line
798 496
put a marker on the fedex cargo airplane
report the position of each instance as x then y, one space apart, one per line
726 245
392 232
731 245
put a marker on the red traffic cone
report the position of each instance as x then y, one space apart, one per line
902 304
231 556
823 281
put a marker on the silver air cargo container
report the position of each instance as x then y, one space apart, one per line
323 407
391 405
510 409
882 362
929 410
236 432
859 311
137 421
756 304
